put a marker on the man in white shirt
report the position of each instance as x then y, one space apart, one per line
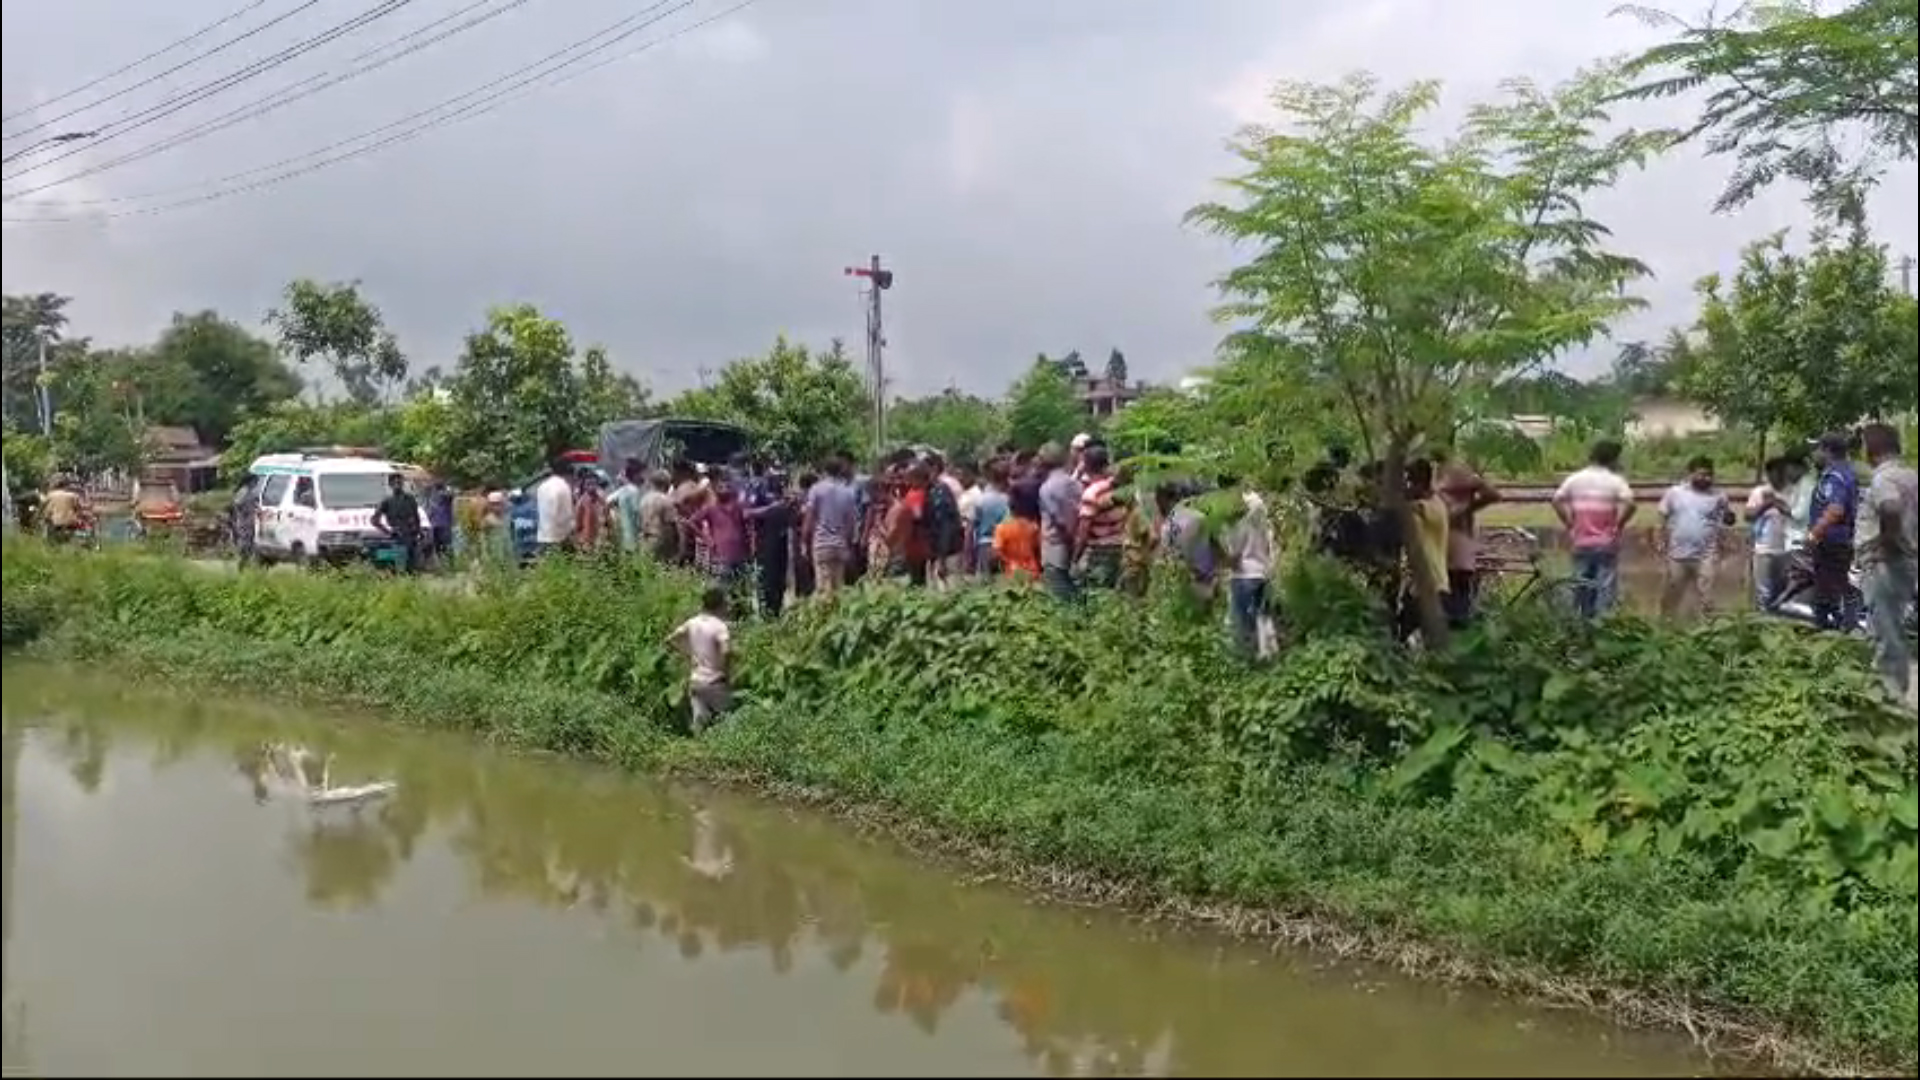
1770 513
1251 554
553 505
708 643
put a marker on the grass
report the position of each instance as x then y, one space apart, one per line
1563 815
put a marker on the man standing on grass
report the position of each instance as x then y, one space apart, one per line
553 507
1691 517
1770 514
1060 494
398 516
624 505
1595 505
1889 553
1831 522
1102 530
830 526
708 643
1466 493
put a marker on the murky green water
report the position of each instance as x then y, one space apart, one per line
173 907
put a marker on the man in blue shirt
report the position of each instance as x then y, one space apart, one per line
1835 509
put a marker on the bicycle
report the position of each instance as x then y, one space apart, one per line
1509 552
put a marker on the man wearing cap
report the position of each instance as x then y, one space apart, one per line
1832 517
1076 456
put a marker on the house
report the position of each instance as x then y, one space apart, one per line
1101 397
1668 418
175 455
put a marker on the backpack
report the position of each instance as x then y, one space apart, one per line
943 520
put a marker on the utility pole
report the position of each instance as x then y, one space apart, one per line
878 281
44 394
1906 274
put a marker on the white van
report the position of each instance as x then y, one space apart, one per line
315 507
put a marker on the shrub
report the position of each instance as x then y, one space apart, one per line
1725 812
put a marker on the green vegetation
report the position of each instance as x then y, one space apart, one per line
1719 821
1791 90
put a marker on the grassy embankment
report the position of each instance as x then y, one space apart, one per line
1711 828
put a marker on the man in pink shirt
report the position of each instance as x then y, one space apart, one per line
1595 504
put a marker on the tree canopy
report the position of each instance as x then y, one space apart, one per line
1407 275
335 323
1786 88
1042 406
1804 343
799 405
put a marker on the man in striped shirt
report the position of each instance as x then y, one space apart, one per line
1103 519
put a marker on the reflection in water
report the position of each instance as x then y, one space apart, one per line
709 879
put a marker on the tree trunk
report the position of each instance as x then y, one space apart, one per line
1425 589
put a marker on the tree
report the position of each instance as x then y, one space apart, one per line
205 372
514 400
290 424
334 322
1805 343
23 321
800 406
958 424
607 395
1117 368
1042 407
92 434
1409 277
1786 87
1073 367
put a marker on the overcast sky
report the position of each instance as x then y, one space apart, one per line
1023 165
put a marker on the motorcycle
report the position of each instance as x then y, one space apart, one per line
1795 602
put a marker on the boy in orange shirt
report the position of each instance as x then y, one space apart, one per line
1016 541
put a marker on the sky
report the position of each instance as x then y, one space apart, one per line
1023 167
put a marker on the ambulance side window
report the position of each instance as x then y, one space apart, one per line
273 492
303 492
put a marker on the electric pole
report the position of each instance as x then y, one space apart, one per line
1906 274
44 395
878 281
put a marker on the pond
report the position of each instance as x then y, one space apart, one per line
176 904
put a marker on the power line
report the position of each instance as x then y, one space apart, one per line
278 99
480 107
151 79
124 68
135 121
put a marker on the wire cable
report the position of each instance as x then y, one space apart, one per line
278 99
135 121
151 79
124 68
484 105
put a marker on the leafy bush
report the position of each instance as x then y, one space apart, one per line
1724 813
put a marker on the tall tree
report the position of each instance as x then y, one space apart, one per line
1407 275
1042 406
93 432
1805 343
800 405
1117 368
335 323
1788 87
957 424
206 372
514 400
24 320
607 394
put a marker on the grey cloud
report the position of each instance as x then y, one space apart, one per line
1022 165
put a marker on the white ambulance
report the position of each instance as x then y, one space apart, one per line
317 507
